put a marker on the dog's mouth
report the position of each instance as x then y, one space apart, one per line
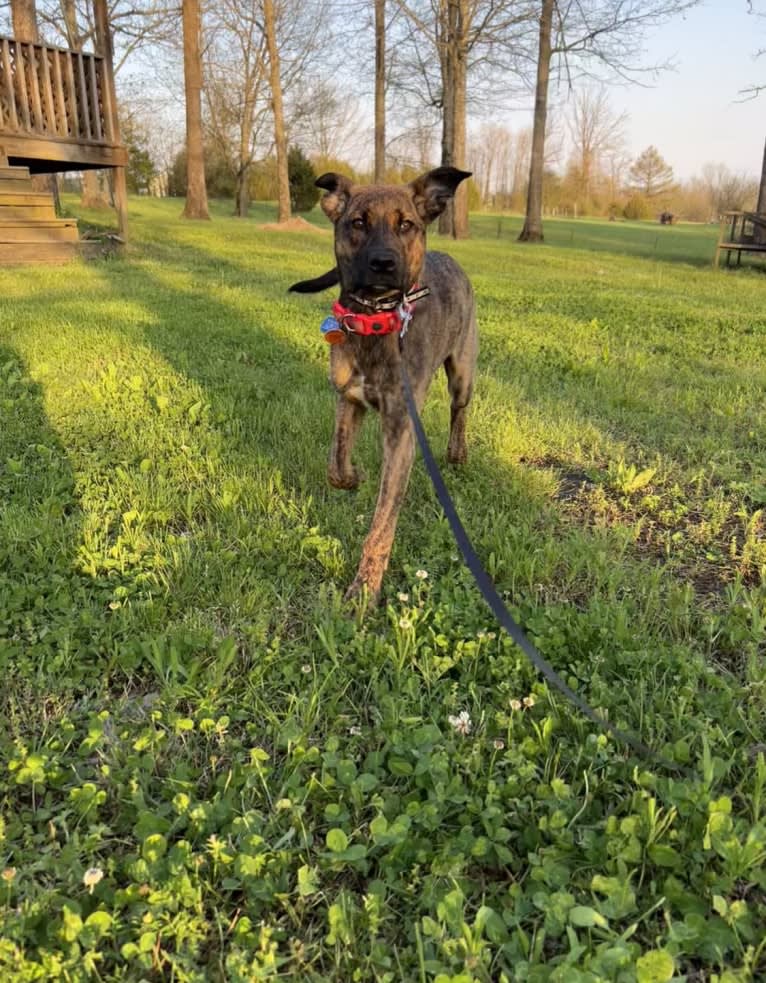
378 291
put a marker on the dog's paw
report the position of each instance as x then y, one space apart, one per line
457 455
362 595
347 480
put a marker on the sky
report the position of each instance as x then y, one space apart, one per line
695 114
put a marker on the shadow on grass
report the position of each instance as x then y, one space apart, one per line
39 533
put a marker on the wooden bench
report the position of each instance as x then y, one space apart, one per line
741 232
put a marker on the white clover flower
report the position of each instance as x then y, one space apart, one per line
462 723
306 668
491 636
497 744
515 704
403 597
9 874
405 624
529 701
355 731
481 634
92 877
421 574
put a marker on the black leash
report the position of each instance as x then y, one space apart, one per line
493 599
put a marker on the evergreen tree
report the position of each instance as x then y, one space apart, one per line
650 174
303 192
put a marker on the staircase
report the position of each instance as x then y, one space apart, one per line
29 229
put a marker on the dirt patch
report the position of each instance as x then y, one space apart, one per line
706 558
572 482
295 224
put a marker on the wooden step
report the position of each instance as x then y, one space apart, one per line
25 198
14 173
18 253
59 230
12 186
27 213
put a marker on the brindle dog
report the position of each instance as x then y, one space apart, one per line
380 249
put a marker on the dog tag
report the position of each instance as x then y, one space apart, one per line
332 332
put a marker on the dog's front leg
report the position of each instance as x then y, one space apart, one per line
349 413
398 455
341 473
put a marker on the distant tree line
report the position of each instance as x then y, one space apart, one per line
590 172
419 82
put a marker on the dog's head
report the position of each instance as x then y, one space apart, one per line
380 230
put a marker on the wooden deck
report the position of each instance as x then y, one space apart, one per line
741 232
56 109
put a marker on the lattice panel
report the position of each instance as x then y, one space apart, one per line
52 92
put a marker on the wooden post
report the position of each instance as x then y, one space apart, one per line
104 47
761 206
721 235
759 231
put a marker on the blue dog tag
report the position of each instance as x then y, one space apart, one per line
332 332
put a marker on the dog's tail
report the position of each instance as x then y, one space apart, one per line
328 279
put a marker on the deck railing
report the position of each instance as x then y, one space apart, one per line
54 93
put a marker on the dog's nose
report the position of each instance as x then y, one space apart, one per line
383 262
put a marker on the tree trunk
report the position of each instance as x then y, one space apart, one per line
242 192
24 14
95 190
454 66
70 24
533 223
460 207
196 191
380 91
448 13
104 47
280 135
53 181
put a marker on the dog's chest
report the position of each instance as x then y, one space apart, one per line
364 371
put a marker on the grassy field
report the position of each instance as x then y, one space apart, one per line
212 772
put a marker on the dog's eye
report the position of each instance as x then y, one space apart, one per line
358 223
405 225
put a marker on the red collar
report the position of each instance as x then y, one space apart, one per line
390 317
383 322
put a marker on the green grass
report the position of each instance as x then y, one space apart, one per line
685 243
270 787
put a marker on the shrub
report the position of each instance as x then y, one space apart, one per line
637 207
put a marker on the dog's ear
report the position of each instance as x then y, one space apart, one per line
338 188
432 191
328 279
